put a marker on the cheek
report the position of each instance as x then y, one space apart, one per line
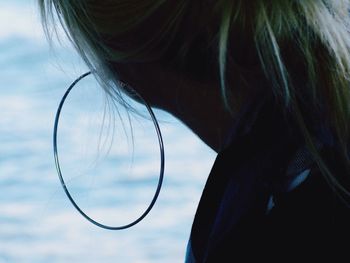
139 80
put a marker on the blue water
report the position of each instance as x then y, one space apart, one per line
111 180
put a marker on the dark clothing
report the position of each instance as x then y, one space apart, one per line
235 221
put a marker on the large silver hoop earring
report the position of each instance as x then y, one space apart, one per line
58 168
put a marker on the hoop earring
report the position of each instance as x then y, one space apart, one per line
58 168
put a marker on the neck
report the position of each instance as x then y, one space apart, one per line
200 107
198 104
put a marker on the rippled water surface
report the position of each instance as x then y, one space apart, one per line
110 174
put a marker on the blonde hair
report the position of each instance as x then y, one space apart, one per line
302 47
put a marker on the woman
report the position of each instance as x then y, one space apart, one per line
263 83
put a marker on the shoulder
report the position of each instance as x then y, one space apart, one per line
312 199
312 217
309 222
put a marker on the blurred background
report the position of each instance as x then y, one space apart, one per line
110 173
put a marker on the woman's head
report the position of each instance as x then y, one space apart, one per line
299 51
216 40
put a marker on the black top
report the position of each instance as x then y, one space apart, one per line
235 219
